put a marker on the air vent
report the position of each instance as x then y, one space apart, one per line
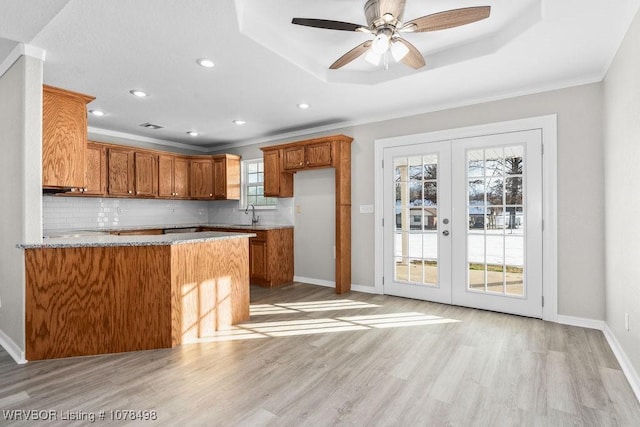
151 126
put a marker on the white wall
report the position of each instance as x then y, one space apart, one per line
622 194
581 289
20 173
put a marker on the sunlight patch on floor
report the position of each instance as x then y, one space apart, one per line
293 327
308 307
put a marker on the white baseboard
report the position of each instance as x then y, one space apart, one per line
331 284
581 322
623 360
14 351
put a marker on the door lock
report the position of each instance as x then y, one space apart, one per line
445 232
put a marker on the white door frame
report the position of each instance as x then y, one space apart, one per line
548 126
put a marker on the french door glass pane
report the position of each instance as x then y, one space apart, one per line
495 211
416 222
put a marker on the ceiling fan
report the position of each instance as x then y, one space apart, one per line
385 23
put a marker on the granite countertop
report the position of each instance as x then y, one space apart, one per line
98 239
107 230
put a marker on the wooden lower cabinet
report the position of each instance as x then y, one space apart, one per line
95 300
270 255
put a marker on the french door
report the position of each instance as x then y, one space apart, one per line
463 222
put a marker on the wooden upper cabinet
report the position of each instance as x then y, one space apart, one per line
181 177
318 155
64 138
226 177
165 176
121 172
305 156
276 183
293 158
96 175
173 176
146 174
201 178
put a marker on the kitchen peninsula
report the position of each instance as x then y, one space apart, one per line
96 294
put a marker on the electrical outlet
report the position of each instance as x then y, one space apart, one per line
626 321
366 209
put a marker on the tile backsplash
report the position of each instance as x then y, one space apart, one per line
82 213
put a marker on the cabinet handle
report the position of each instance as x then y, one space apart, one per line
210 195
130 192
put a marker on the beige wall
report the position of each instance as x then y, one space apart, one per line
20 173
580 190
622 194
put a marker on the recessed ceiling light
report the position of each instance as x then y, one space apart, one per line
240 122
193 133
206 63
304 106
96 113
137 92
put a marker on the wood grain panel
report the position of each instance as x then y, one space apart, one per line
343 215
141 299
64 138
318 154
209 287
276 182
165 176
201 178
68 302
293 158
181 177
121 172
226 177
96 174
281 260
146 174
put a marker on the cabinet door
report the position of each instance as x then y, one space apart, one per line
121 172
271 161
220 178
64 138
201 182
258 260
165 176
318 155
181 177
146 174
293 158
96 175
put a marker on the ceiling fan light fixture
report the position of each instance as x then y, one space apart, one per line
398 50
380 43
372 58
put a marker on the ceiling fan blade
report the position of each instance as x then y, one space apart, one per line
447 19
351 55
394 7
327 24
414 58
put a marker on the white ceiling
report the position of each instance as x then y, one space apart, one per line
265 66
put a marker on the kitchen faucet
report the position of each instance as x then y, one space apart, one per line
254 219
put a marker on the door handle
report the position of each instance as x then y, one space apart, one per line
445 233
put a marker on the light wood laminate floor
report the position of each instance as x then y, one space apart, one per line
311 357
